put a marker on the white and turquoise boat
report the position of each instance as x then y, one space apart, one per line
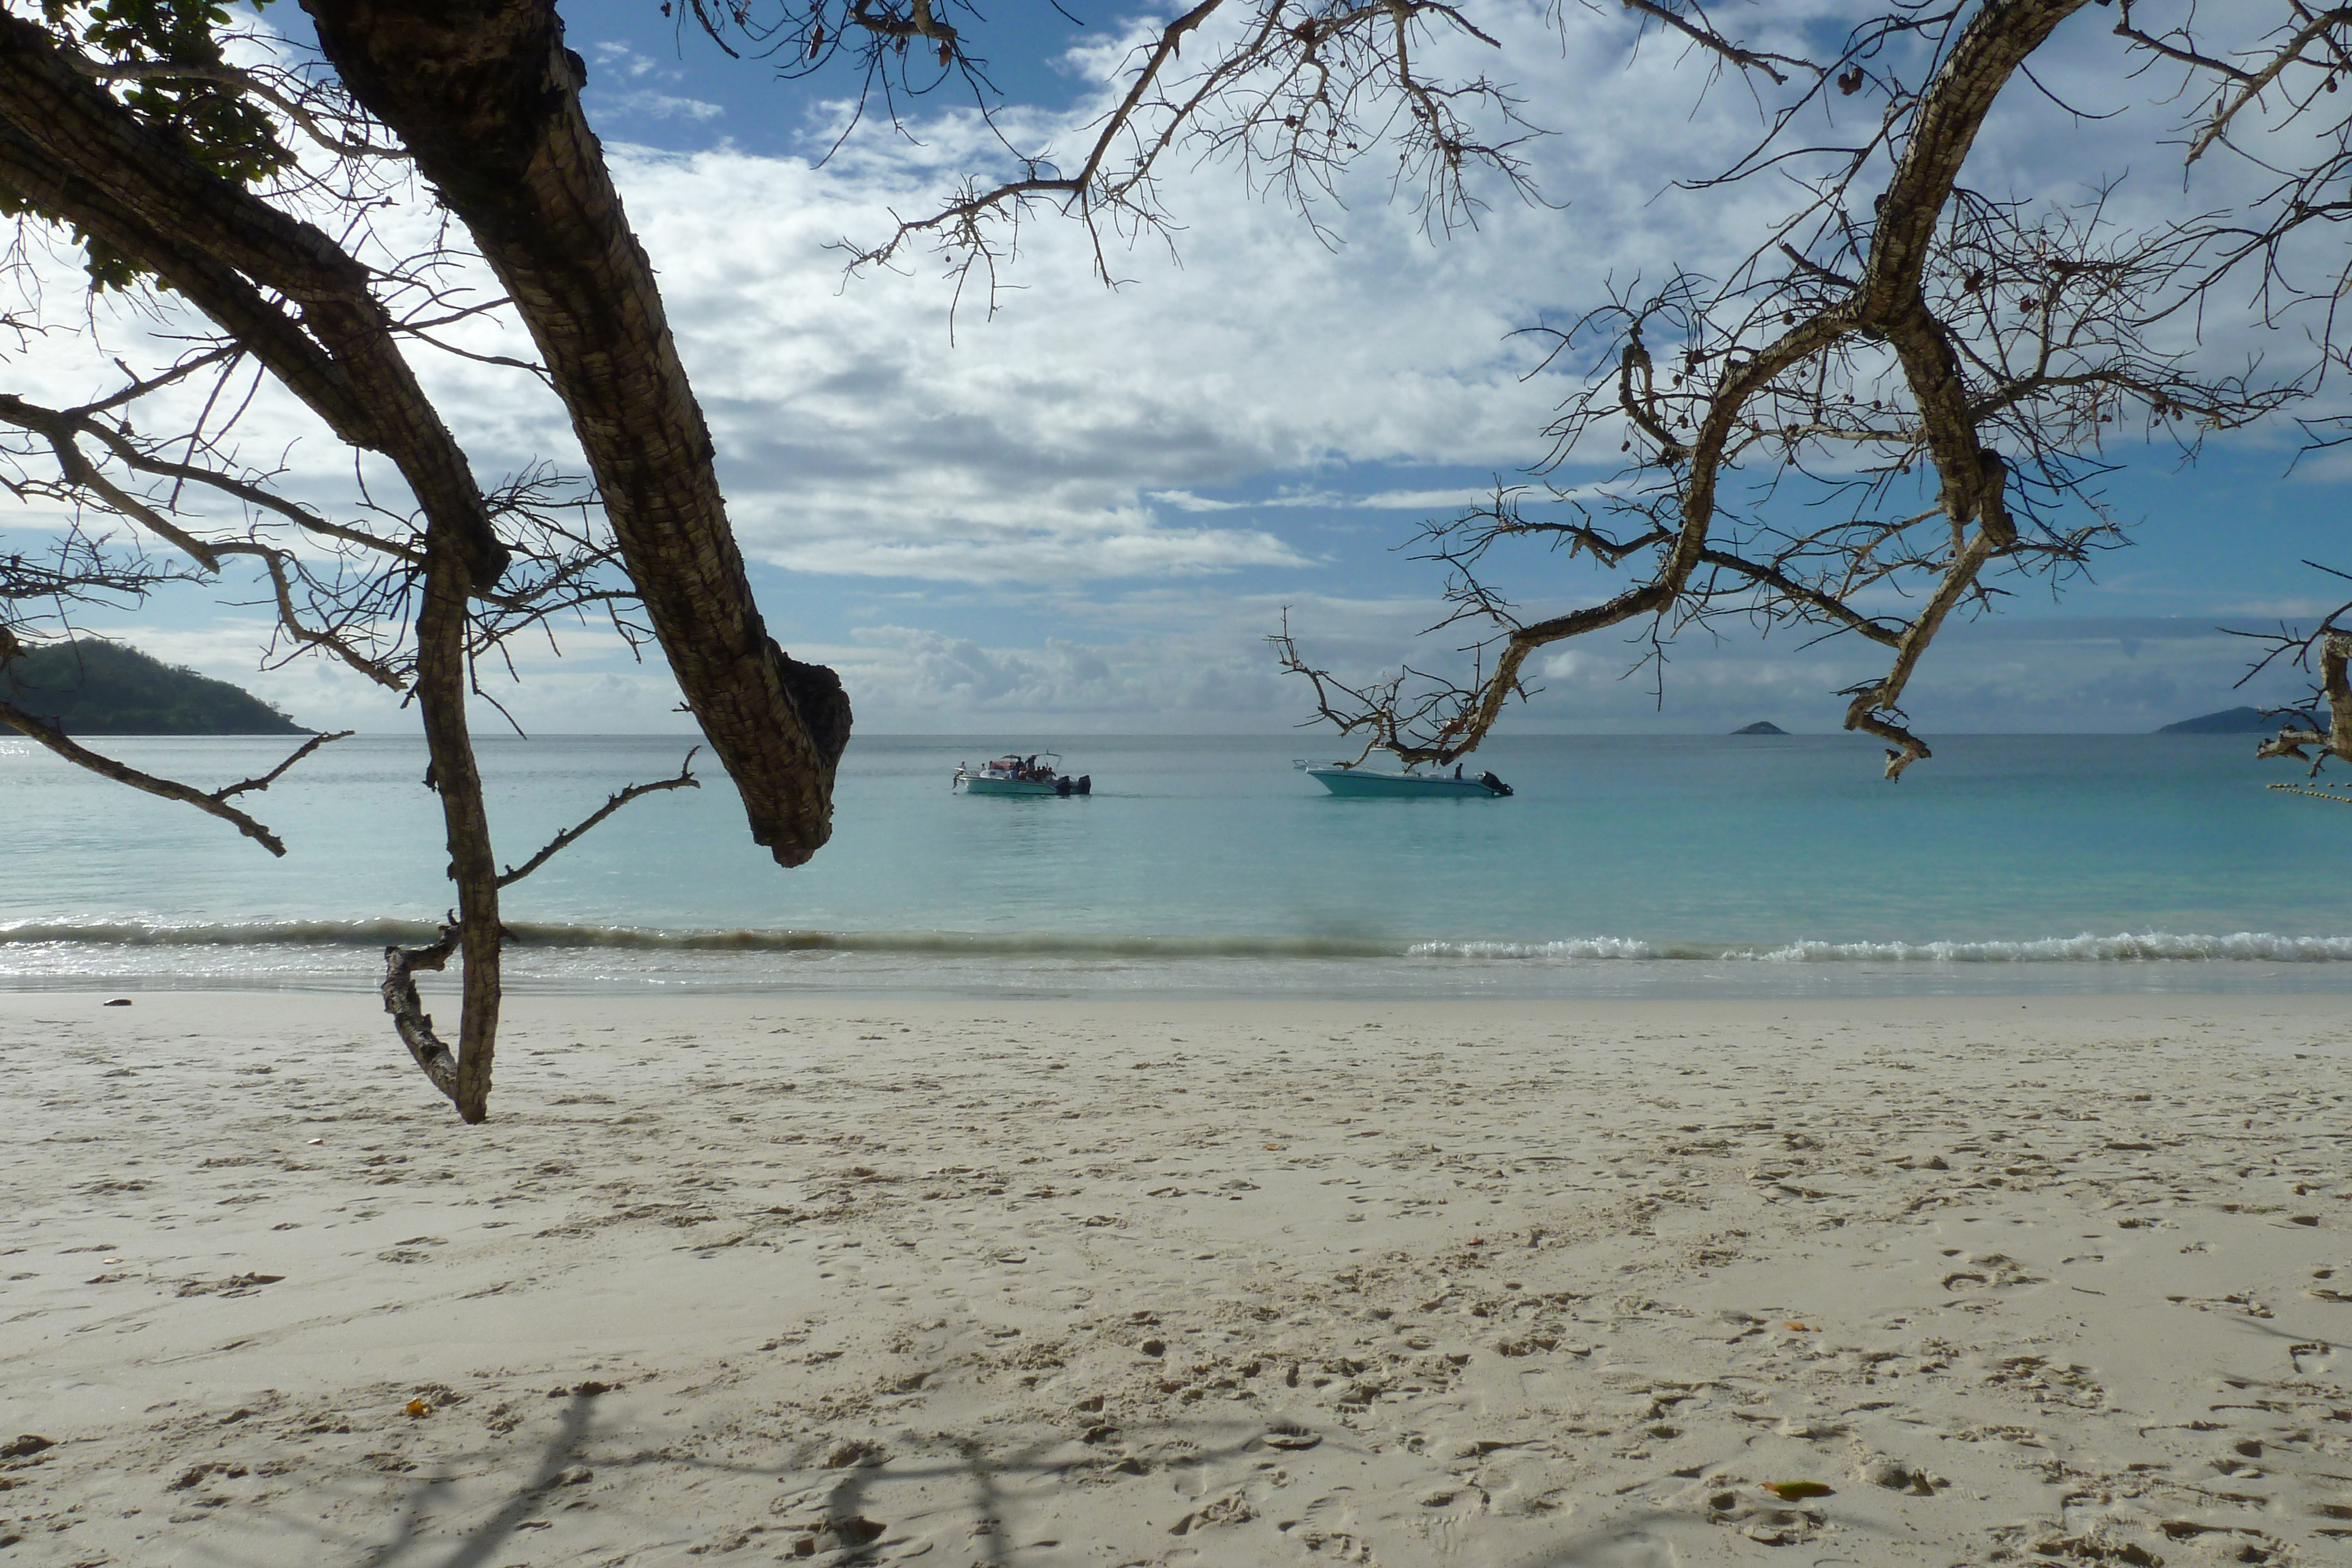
1353 778
1039 775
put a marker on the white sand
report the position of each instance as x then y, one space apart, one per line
1100 1283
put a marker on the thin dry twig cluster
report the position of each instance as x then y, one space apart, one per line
1917 394
1298 93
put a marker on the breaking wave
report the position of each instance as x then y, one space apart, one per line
2125 947
2122 948
376 934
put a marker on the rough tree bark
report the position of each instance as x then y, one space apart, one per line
77 154
487 97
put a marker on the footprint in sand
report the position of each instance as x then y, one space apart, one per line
1328 1526
1453 1517
1757 1513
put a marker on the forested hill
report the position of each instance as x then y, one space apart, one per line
90 687
2233 721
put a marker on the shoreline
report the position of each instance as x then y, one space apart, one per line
854 969
1508 1283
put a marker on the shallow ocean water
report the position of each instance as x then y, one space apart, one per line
1731 865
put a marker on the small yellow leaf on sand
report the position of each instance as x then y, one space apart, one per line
1790 1491
418 1408
1801 1328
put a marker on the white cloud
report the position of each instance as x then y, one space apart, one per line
857 438
1210 672
652 105
2293 608
647 102
1185 501
1423 500
1330 500
1041 556
860 436
615 56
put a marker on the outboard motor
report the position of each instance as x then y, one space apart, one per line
1495 784
1086 783
1062 786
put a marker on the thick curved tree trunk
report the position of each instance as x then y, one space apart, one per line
486 98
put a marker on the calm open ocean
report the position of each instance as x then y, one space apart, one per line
1697 865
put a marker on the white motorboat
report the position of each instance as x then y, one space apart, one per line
1039 775
1352 778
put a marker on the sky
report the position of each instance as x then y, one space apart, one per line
1084 511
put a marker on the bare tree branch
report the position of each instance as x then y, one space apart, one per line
272 777
214 803
685 781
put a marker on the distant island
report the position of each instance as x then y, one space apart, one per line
95 688
2229 721
1761 727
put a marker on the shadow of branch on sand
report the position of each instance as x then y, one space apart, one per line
842 1524
989 1506
408 1544
838 1527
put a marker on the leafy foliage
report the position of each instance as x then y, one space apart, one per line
213 118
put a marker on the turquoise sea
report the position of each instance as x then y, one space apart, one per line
1670 866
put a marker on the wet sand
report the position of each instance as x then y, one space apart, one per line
1045 1283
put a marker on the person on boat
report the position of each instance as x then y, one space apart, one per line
1458 770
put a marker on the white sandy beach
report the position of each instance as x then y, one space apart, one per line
1042 1283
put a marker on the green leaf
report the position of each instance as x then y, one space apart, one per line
218 125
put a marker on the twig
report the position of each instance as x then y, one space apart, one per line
1709 39
684 781
244 81
266 780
